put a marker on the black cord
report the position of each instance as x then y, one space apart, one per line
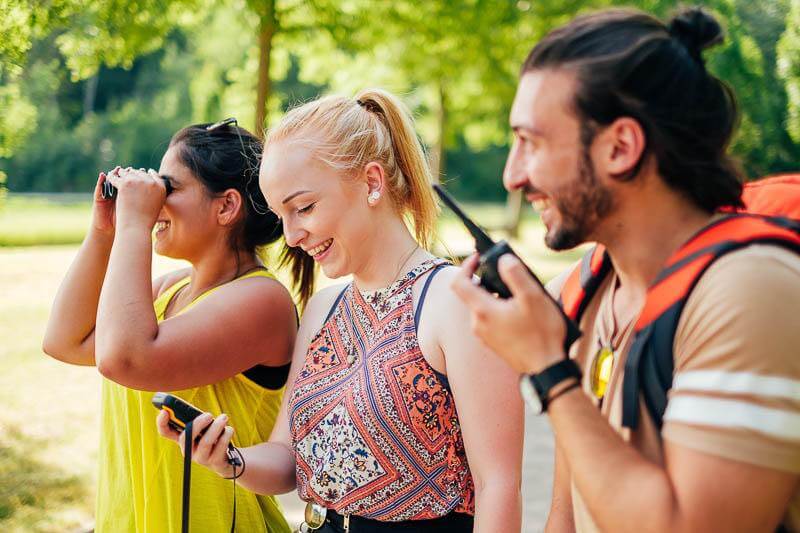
235 458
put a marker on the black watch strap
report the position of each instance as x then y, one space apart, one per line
551 376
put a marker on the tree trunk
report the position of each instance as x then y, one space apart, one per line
514 212
266 32
89 94
439 156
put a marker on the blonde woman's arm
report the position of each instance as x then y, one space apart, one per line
489 408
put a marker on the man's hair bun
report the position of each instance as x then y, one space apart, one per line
696 29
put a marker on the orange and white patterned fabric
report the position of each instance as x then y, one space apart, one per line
374 426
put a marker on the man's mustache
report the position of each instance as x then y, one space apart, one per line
529 189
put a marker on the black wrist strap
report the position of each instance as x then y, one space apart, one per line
235 458
563 391
551 376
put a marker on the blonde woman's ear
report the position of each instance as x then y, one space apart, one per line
375 178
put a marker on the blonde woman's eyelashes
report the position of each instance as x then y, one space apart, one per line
307 209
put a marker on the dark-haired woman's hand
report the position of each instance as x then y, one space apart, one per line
103 209
140 197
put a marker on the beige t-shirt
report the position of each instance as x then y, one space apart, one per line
736 388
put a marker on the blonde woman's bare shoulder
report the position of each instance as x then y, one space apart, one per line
319 305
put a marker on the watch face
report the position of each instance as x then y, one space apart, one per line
529 394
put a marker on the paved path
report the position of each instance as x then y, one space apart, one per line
537 478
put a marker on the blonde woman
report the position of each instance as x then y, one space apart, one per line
398 419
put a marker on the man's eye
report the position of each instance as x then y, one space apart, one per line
307 209
527 144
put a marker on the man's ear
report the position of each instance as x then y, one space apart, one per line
623 147
375 179
229 206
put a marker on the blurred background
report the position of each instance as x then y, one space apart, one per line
86 85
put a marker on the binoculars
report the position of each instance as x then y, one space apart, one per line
109 192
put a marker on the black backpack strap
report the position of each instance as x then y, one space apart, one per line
649 367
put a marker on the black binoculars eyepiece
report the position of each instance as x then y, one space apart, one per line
109 192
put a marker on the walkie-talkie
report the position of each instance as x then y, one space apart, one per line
489 252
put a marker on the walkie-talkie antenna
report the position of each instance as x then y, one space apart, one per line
482 240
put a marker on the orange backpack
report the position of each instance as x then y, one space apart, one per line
774 196
771 215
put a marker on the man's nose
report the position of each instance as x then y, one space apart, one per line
514 175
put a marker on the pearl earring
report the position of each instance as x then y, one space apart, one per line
373 197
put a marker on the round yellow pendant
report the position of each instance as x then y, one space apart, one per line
314 516
601 371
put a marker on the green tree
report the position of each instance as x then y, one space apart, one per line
788 54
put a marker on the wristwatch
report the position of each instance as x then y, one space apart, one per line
535 388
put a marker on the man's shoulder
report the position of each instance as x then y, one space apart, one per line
736 366
744 276
744 304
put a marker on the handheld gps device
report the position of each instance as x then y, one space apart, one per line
180 412
489 252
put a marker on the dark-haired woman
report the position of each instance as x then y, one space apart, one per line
219 334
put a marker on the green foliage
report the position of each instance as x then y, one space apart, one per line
88 85
789 68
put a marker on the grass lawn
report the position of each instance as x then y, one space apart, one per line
49 412
53 219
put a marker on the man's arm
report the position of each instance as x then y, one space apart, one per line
693 490
561 519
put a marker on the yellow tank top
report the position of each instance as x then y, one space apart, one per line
140 477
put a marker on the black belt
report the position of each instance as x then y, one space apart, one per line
450 523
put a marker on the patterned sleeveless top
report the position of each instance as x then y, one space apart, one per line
374 426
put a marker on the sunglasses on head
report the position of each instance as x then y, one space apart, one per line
109 191
251 168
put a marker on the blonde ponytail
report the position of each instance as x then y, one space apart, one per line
414 175
348 133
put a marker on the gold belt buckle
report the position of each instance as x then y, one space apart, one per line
314 517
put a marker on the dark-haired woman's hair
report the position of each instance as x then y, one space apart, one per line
629 64
228 157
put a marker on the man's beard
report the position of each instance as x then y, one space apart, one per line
581 204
